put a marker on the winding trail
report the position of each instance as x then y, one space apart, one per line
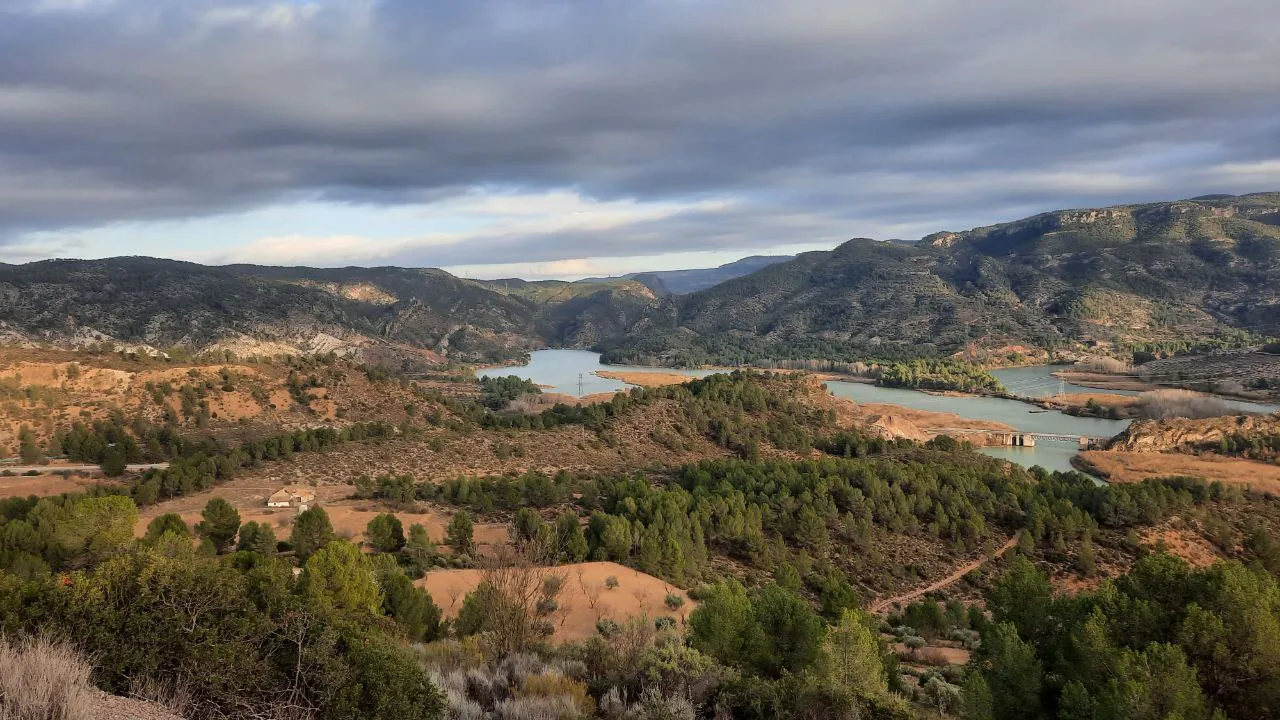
944 582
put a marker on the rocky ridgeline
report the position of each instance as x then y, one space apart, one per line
1181 435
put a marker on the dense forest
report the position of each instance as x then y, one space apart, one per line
787 638
782 544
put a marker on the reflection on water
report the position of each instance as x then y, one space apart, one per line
1048 454
1038 381
560 371
1019 415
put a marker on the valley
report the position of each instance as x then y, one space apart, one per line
408 474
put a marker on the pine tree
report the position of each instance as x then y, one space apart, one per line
460 534
219 525
385 533
419 546
1085 561
311 531
257 537
570 538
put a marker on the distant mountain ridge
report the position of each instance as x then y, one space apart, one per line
681 282
1170 272
1153 272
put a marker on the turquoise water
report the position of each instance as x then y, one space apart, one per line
1049 454
560 371
1038 381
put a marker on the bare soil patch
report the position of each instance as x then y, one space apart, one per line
896 421
42 485
1189 546
1123 467
637 595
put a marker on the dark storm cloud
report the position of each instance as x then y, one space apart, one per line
829 117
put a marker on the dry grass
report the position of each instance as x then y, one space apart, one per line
1104 365
940 656
644 379
42 679
1161 404
42 485
1118 466
583 600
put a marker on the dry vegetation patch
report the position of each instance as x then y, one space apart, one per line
644 379
42 679
42 485
1184 543
584 599
1132 467
49 390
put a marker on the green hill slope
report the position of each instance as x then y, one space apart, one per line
1158 272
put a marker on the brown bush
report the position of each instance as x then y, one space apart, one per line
41 679
1105 365
1162 404
553 685
931 656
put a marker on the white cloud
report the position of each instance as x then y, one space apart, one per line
272 16
486 218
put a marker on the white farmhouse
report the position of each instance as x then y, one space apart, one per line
299 497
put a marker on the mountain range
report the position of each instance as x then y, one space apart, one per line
681 282
1162 272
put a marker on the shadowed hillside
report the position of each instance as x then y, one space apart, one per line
1155 273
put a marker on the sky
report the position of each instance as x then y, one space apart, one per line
567 138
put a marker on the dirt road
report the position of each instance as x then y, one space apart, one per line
944 582
49 469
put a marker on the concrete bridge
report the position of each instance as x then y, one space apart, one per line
1028 439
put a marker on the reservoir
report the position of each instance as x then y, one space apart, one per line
560 370
1048 454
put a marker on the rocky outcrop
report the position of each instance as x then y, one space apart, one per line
1182 435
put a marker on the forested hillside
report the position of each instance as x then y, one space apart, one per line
1122 276
1126 279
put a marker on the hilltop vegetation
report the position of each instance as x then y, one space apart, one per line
50 401
741 489
1143 281
1137 275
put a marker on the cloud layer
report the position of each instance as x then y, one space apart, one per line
626 128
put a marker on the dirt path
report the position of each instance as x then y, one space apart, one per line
944 582
46 469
